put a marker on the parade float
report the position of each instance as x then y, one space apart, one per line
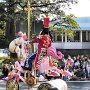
42 60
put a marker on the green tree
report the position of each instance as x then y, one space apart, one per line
65 24
12 11
10 17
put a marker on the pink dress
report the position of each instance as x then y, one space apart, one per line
45 67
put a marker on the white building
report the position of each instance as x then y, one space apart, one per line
81 39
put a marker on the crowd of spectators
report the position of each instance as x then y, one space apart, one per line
6 69
77 65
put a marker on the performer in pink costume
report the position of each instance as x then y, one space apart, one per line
48 65
25 47
44 42
15 48
16 72
45 65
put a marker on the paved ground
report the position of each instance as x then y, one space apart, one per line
22 86
78 85
72 85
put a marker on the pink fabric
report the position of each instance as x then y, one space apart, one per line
8 78
17 77
51 51
55 74
25 51
67 73
20 34
44 66
18 65
25 36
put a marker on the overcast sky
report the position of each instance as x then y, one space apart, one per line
82 9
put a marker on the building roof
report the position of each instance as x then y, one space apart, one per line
84 23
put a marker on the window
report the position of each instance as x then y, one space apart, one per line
77 36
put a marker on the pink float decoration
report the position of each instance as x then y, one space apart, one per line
51 51
20 34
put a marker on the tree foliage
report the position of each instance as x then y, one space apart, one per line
52 7
12 11
65 24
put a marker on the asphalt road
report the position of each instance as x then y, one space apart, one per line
78 85
72 85
22 86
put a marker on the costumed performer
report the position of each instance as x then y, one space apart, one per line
16 72
14 46
18 47
47 63
25 47
44 41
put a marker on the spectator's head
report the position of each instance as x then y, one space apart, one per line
10 63
5 66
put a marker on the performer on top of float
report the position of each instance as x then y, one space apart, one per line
17 46
44 40
14 45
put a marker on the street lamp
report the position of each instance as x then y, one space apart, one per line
29 26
